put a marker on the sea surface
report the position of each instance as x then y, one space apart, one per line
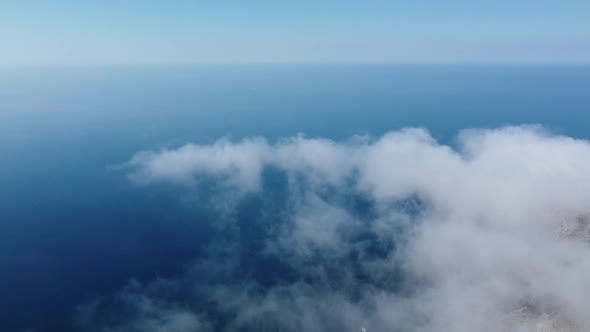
73 228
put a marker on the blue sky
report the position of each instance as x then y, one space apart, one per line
171 32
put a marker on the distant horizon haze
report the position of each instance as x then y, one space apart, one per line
62 33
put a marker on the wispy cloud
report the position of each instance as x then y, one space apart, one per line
399 233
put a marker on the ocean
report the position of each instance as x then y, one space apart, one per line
74 228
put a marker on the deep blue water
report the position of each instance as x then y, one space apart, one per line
73 228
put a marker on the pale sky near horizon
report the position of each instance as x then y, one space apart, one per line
133 32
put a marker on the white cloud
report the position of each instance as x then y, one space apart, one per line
499 245
239 164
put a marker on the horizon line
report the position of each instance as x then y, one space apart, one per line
295 63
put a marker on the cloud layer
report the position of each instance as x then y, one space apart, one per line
398 233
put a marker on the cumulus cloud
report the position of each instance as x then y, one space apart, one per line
398 233
239 164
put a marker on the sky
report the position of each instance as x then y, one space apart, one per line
181 32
